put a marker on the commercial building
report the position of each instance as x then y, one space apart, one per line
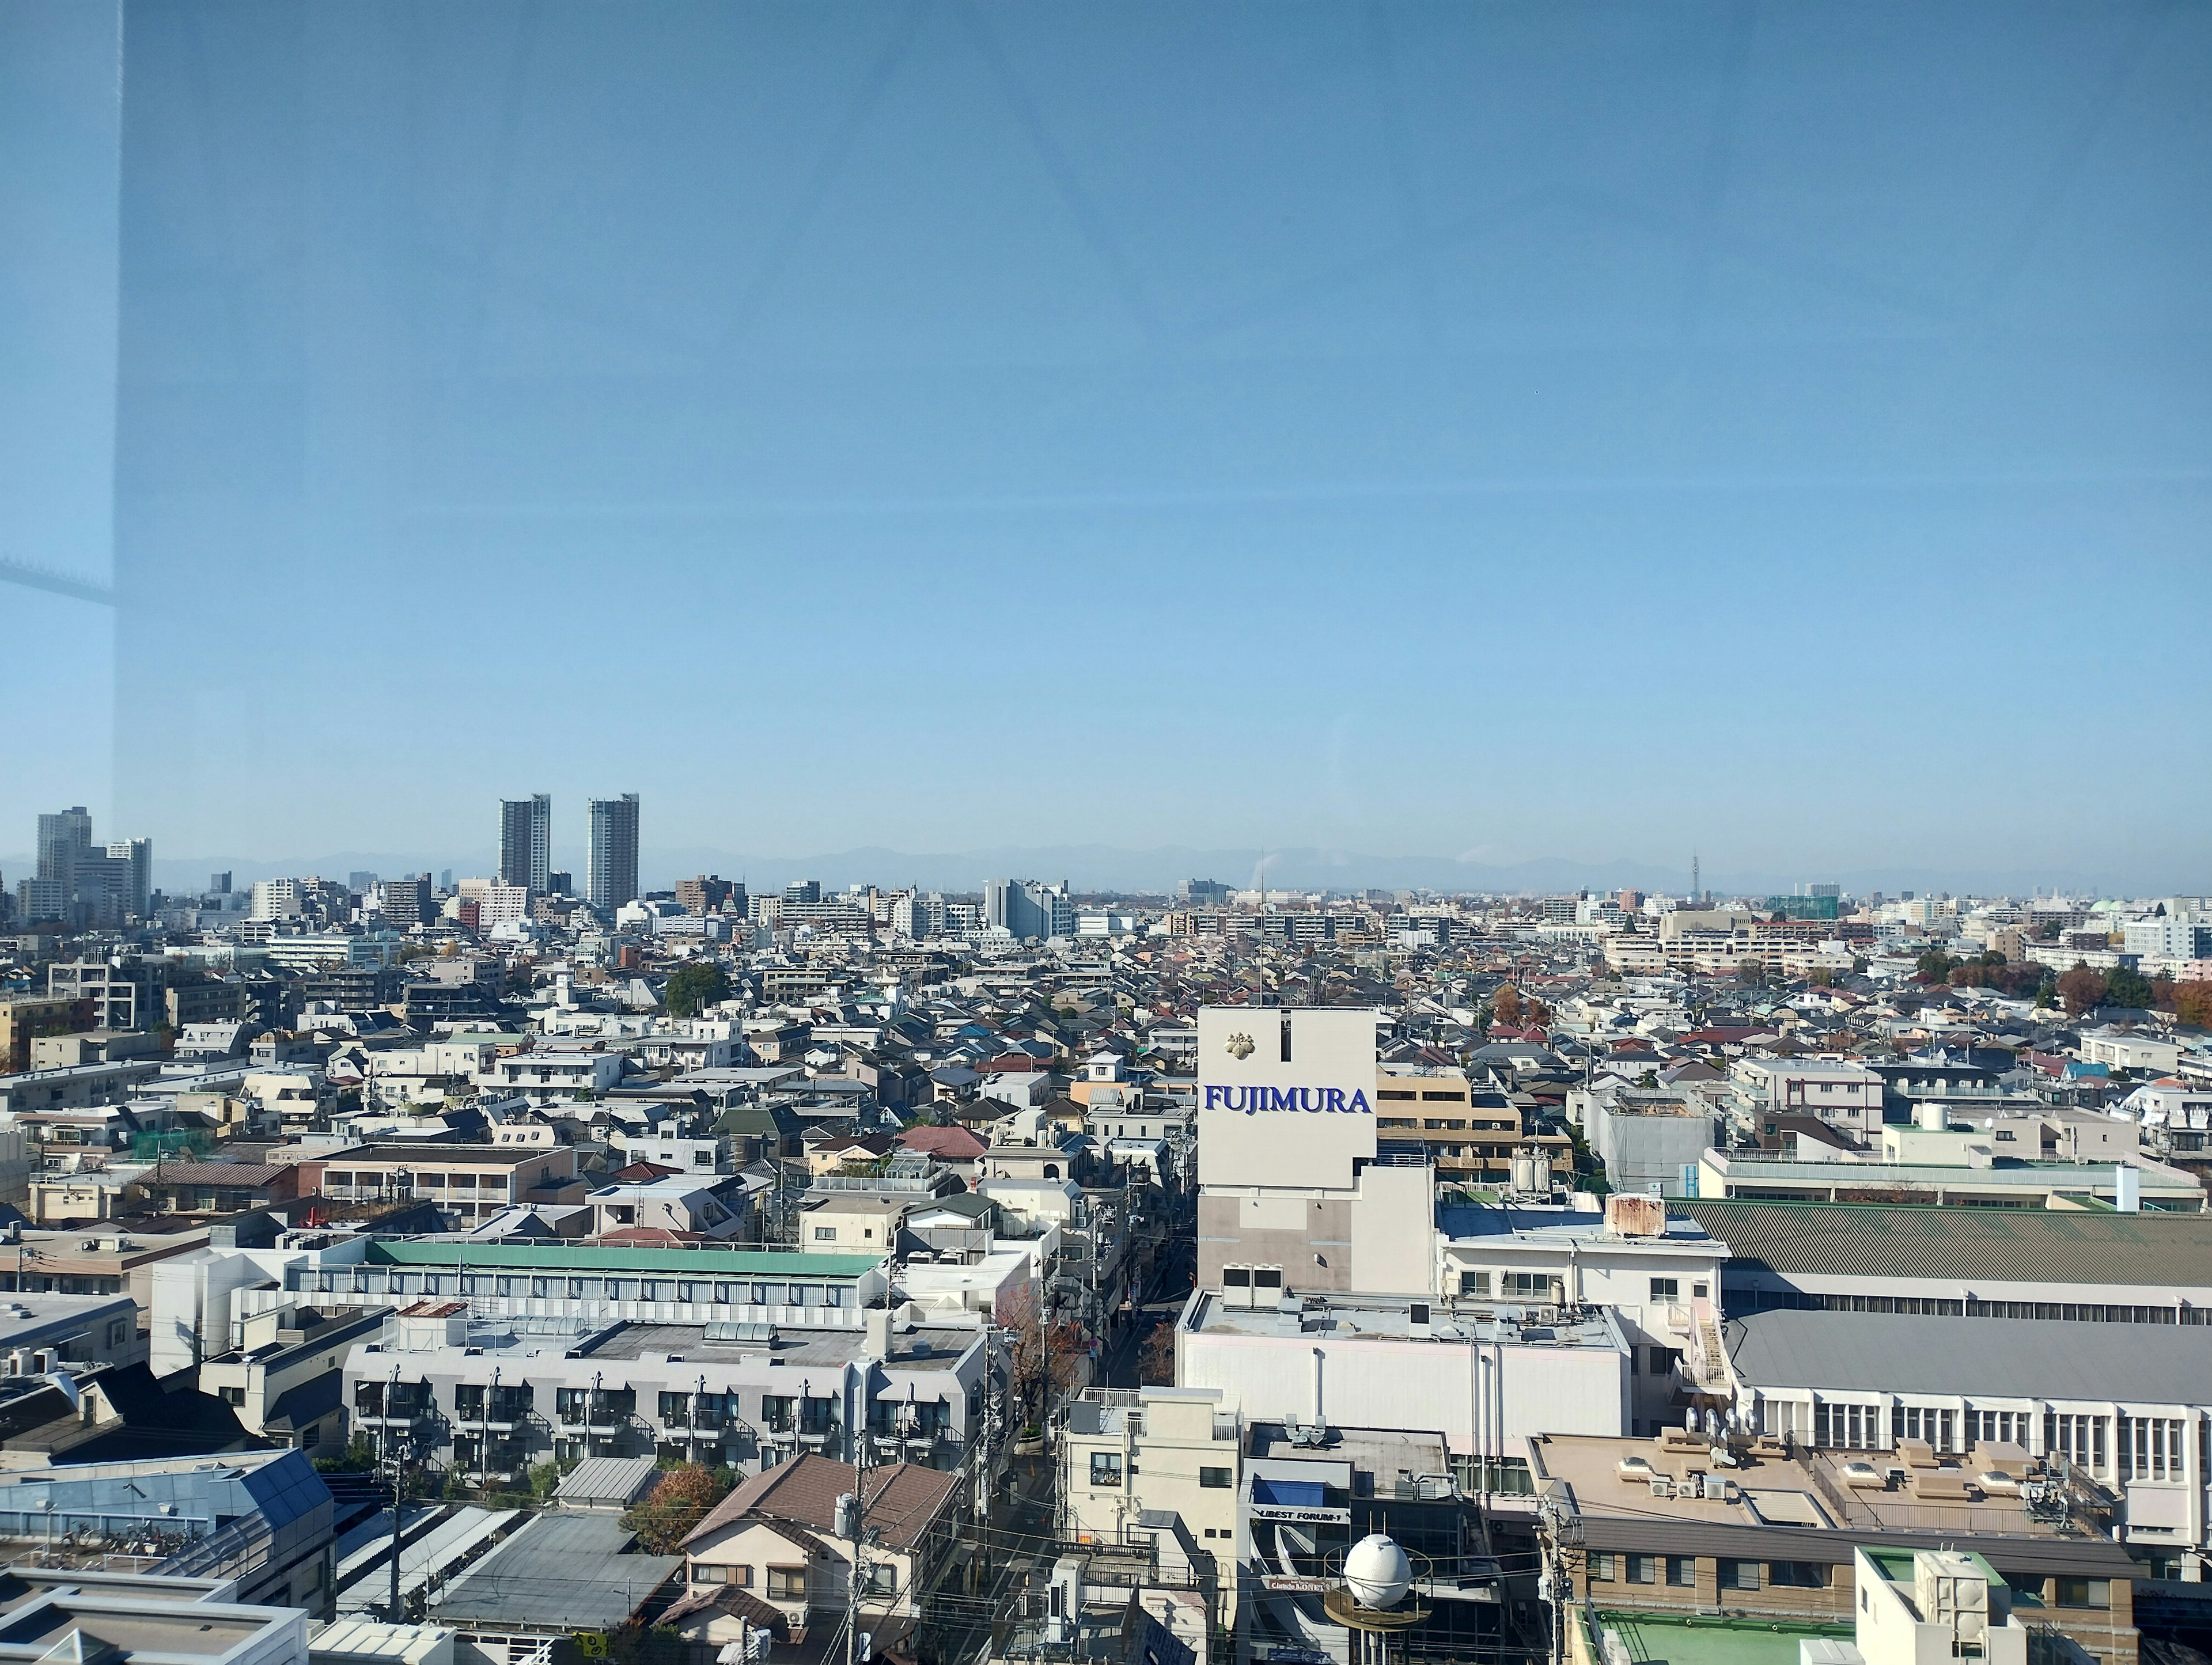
1970 1172
1486 1376
2126 1404
1027 909
2048 1264
611 877
1763 1535
525 842
1294 1193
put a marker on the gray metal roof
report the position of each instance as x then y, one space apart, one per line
1996 1245
560 1572
606 1482
1988 1357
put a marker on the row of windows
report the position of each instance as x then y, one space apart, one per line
2147 1448
1106 1474
2077 1312
519 1285
1541 1286
1681 1571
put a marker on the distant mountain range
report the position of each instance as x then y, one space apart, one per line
1096 867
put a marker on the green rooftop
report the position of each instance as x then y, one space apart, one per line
1688 1639
582 1257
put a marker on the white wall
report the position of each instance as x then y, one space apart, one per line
1414 1384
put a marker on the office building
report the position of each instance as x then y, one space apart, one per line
132 874
64 840
1027 910
611 878
525 842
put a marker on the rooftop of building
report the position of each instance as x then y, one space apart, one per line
918 1349
1758 1168
702 1262
1703 1639
1800 1503
1884 1240
1395 1318
1547 1224
561 1571
2003 1359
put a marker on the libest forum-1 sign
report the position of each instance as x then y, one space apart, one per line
1286 1095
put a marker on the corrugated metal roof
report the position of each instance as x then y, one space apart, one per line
2002 1245
559 1573
619 1481
1979 1357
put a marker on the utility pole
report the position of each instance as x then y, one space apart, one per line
859 1524
397 1494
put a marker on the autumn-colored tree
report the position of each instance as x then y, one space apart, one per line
1058 1351
1156 1360
2192 1004
1505 1005
2081 989
678 1503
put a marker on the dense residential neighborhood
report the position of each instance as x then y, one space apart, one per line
762 1271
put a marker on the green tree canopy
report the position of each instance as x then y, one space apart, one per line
695 985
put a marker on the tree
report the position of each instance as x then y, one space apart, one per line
1156 1362
2192 1004
678 1503
2127 986
699 984
1505 1005
1056 1353
1934 966
2081 989
1536 1014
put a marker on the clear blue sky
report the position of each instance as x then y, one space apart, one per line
1780 430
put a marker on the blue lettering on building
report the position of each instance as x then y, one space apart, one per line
1314 1100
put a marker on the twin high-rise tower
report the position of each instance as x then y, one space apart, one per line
525 847
525 842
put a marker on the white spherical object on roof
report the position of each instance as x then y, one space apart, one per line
1376 1572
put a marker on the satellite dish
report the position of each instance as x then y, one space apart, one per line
1377 1573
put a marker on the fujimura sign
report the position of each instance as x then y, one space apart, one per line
1286 1095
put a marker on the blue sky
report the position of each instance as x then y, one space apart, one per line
1507 431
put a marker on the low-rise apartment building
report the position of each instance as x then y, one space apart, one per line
488 1398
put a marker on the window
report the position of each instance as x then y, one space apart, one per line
1602 1567
1797 1575
701 1575
1664 1359
1642 1569
232 1395
1682 1571
2085 1593
2150 1448
881 1578
1216 1480
825 1234
2079 1439
1665 1288
1474 1283
787 1584
1699 1291
1738 1575
1106 1468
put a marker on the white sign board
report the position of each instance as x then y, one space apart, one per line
1286 1095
